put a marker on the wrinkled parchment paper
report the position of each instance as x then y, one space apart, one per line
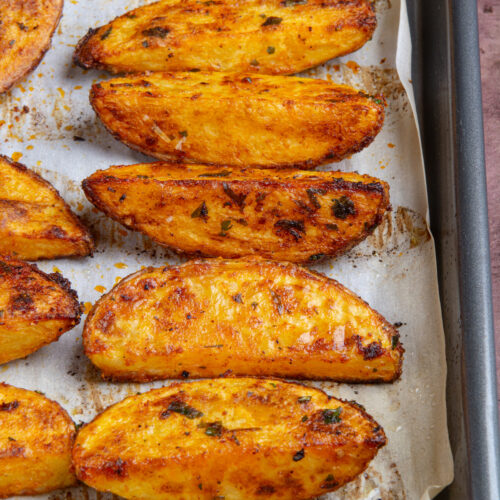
43 120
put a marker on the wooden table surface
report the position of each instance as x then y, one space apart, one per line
489 32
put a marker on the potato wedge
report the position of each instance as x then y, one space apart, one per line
291 215
239 439
267 36
246 317
27 29
35 308
35 222
36 439
238 119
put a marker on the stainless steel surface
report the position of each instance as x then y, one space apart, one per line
447 83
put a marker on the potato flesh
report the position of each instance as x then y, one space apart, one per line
247 444
258 120
288 215
244 317
36 438
228 36
35 222
27 28
35 309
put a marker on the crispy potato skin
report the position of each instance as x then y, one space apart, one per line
36 439
35 222
35 308
246 317
291 215
252 440
238 119
27 28
270 36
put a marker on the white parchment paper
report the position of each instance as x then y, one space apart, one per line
394 270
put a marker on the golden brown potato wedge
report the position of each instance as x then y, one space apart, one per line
239 439
35 222
35 308
238 119
247 317
291 215
25 34
267 36
36 439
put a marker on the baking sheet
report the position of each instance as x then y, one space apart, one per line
394 270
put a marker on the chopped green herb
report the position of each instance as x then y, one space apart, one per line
183 409
11 438
378 101
395 341
225 225
329 478
316 256
304 399
273 384
305 418
214 429
106 33
201 211
291 3
222 173
332 416
254 62
157 31
183 133
272 21
145 43
299 455
343 207
247 79
270 50
11 43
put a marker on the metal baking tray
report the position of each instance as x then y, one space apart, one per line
447 82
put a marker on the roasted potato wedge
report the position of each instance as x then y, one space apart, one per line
35 308
238 439
238 119
25 34
36 439
35 222
269 36
291 215
245 316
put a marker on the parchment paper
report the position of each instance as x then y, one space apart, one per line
394 270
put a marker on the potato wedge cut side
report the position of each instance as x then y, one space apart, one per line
270 36
291 215
35 222
35 308
36 439
245 317
241 439
27 29
238 119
